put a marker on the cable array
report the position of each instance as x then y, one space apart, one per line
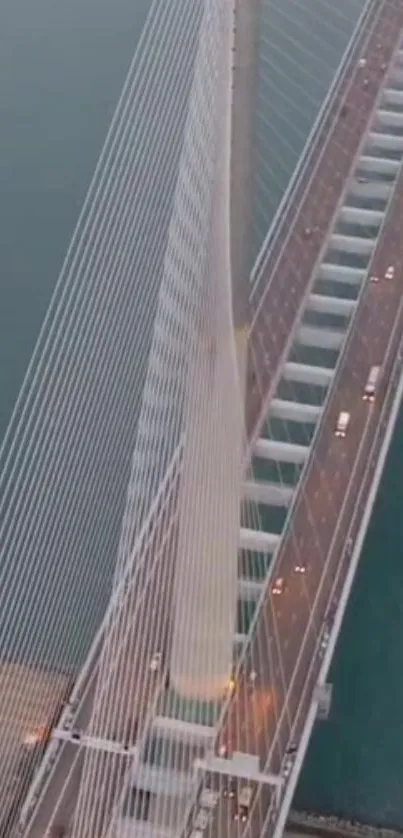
300 45
136 376
192 382
65 460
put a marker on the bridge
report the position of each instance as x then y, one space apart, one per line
193 711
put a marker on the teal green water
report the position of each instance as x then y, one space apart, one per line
355 762
62 66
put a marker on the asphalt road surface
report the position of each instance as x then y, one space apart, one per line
290 267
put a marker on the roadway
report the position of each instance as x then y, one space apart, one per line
121 678
292 260
285 648
318 147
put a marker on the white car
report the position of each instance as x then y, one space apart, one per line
300 567
325 639
287 766
342 424
390 272
278 586
155 662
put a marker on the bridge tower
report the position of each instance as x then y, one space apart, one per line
205 589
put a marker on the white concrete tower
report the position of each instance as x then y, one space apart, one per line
206 572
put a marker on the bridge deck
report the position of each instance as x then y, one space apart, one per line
329 508
273 709
292 259
330 505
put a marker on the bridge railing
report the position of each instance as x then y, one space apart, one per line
359 36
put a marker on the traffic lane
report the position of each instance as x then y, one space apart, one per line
363 379
327 461
371 466
269 337
328 180
227 824
391 295
127 686
126 702
137 693
299 645
83 715
380 418
322 201
67 757
388 292
355 484
352 80
378 52
274 621
281 627
123 703
92 808
328 482
62 791
309 672
298 536
357 372
317 212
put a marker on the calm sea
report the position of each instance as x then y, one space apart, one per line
62 66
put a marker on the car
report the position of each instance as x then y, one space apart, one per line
230 789
374 278
342 424
300 567
278 586
287 765
231 684
156 661
362 62
325 638
370 387
390 272
244 804
209 798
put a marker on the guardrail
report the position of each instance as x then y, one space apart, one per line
306 823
